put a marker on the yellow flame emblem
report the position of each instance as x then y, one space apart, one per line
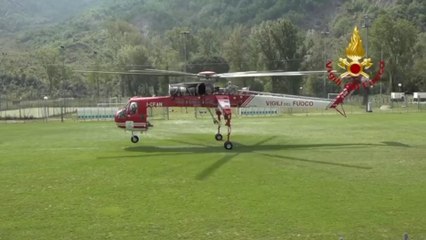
354 53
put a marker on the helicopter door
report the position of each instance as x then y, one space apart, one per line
132 109
137 115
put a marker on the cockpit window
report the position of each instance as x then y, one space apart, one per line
121 113
133 108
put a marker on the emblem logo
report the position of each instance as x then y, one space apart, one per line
354 54
354 65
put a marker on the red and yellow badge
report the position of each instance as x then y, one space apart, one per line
355 63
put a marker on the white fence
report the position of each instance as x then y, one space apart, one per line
255 111
90 113
35 113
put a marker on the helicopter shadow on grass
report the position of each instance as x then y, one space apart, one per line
197 147
261 148
396 144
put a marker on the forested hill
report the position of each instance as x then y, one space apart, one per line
34 22
162 15
16 15
21 17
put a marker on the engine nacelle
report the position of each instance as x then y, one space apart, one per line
190 89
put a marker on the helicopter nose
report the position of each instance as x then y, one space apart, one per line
119 118
116 115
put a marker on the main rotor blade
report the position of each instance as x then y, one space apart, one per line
268 74
103 72
150 72
158 72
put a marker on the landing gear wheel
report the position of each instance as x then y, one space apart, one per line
134 139
218 137
228 145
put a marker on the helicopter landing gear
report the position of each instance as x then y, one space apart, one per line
134 139
218 137
228 145
227 117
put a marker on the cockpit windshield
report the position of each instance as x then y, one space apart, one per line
121 113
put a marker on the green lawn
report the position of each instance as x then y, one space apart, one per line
291 177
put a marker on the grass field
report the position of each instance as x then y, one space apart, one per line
291 177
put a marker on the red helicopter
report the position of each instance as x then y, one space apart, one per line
203 93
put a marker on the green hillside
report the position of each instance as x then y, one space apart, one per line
20 15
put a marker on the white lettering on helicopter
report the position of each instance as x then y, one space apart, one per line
276 103
154 104
303 103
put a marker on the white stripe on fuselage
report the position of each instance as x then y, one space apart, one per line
287 102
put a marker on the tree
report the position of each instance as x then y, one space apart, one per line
182 41
411 10
417 80
315 59
122 33
49 60
215 63
208 43
394 39
162 56
135 84
279 43
236 50
94 77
